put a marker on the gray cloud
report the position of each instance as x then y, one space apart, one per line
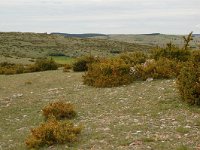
102 16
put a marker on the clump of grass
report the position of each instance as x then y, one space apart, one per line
67 67
182 130
148 139
60 110
28 82
53 132
182 147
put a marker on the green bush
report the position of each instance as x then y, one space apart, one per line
108 73
161 69
45 64
81 64
60 110
171 52
189 83
133 58
53 132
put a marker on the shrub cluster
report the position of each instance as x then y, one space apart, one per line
10 68
59 110
128 67
81 64
108 73
171 52
162 68
189 83
40 65
43 65
133 58
55 130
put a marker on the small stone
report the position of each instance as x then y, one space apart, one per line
149 79
188 127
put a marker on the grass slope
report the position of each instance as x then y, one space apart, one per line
143 115
151 39
35 45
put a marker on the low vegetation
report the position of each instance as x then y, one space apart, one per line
39 65
56 129
81 64
59 110
189 83
134 58
53 132
67 67
162 68
108 73
37 45
171 52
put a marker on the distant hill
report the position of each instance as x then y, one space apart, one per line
151 34
153 39
86 35
36 45
196 35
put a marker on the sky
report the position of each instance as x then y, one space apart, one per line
100 16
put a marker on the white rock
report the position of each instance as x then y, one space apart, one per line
149 79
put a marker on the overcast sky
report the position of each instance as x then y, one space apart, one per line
101 16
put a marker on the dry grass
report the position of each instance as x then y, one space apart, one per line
143 115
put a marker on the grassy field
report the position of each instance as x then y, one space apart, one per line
143 115
63 59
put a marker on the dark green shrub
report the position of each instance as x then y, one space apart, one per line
53 132
133 58
81 64
161 69
108 73
46 64
189 83
60 110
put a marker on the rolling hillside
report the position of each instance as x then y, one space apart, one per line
36 45
153 39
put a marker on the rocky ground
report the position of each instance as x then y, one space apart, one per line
141 116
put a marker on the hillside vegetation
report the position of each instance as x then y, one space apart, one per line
153 39
37 45
135 100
